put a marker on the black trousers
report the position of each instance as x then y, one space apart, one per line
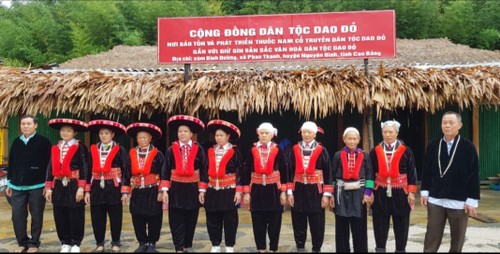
317 224
147 228
222 219
182 225
401 226
70 224
358 228
21 201
266 222
99 215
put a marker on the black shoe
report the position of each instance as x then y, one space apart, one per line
142 248
151 248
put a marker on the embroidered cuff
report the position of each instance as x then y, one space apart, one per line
328 188
239 188
164 184
290 186
283 187
87 187
369 184
82 183
202 186
125 189
368 191
49 185
412 188
246 189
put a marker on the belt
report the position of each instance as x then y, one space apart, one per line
185 179
115 174
75 174
147 181
315 178
400 182
263 179
227 182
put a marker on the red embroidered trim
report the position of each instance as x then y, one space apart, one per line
57 171
346 173
222 165
96 159
299 164
189 170
147 166
396 158
270 161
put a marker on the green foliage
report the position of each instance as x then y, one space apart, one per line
488 39
132 38
47 31
458 21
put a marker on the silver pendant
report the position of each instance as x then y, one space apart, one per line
142 181
102 184
305 179
217 184
264 179
65 181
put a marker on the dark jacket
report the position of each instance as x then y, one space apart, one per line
27 164
461 181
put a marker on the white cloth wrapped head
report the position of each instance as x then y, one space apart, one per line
269 127
351 129
392 123
309 126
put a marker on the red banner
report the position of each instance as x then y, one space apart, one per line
313 36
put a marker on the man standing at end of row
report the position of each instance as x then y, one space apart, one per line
450 185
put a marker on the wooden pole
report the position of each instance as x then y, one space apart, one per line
187 73
369 113
475 128
86 135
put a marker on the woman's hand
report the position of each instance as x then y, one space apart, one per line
237 198
291 200
124 199
246 198
87 198
325 200
201 197
79 194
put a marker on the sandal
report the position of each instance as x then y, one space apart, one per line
21 249
99 249
116 249
33 250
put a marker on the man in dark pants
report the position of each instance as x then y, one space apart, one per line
27 167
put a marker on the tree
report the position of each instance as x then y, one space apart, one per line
457 22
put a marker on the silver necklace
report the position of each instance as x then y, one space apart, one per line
451 159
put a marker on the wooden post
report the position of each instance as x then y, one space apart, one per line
369 114
475 128
426 129
340 131
187 73
86 135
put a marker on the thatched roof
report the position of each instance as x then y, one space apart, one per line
312 93
409 53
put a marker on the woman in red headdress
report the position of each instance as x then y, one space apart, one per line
66 174
224 190
109 162
146 185
188 180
